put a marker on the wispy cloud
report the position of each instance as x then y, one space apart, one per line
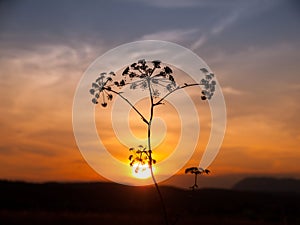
177 35
216 29
236 12
231 91
199 42
222 25
185 3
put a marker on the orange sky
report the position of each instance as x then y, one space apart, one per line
38 143
259 78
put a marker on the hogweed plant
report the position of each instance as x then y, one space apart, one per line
158 80
196 171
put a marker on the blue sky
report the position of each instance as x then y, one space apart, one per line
232 26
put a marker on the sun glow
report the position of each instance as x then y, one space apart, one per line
141 171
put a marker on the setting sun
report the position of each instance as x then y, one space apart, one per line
141 171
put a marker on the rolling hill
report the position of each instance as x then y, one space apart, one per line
108 203
268 184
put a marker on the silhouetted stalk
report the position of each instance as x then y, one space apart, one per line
150 156
132 106
149 123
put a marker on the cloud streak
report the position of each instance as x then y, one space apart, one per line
217 29
237 12
187 3
176 35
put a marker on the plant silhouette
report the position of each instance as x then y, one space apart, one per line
196 171
158 80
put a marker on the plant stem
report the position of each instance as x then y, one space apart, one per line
132 106
149 123
176 89
150 156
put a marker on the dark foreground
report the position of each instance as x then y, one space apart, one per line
105 203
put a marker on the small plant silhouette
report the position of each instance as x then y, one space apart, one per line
159 81
140 157
196 171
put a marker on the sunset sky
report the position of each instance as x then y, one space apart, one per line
252 47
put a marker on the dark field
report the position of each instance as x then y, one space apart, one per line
106 203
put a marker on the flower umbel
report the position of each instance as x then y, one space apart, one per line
208 84
101 87
140 156
151 76
142 74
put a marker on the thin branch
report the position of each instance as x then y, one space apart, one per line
140 71
152 71
176 89
134 108
167 81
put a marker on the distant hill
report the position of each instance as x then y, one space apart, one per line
267 184
108 203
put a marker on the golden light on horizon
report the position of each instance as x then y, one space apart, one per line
141 171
